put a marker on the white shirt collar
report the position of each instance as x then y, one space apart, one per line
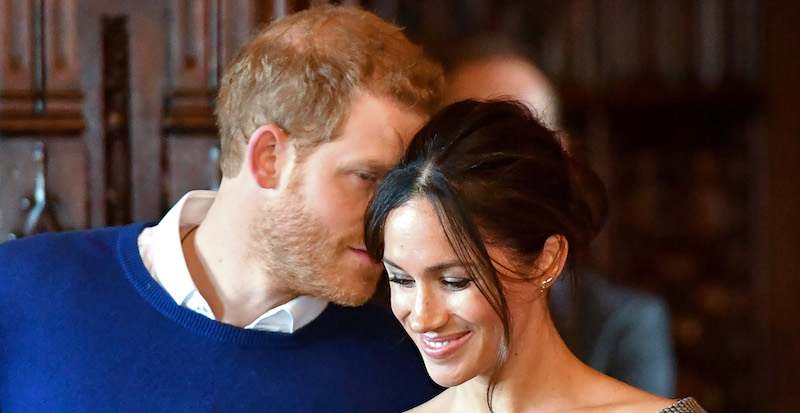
161 251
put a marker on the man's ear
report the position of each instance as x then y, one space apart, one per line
268 153
551 259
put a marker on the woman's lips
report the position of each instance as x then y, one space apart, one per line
443 346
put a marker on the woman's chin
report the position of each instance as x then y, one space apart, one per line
448 382
447 378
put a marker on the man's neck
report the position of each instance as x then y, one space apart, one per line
235 287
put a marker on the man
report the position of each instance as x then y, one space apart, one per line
240 300
616 330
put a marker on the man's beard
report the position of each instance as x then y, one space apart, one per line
302 257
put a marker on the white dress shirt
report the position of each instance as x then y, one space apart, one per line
162 254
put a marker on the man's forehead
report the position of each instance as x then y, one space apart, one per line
377 154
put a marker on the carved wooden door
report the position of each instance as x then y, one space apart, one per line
43 158
106 106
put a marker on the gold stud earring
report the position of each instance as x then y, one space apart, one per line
545 285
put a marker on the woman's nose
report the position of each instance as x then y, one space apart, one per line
428 313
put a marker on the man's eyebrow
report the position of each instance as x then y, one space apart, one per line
369 165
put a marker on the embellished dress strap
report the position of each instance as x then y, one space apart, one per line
685 405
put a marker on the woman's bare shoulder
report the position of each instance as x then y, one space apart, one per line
624 398
651 404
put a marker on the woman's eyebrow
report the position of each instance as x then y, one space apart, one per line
432 269
389 262
444 266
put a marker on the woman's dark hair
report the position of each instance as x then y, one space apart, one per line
495 176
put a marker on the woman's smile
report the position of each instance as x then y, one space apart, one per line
438 347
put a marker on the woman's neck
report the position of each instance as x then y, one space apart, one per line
542 375
539 374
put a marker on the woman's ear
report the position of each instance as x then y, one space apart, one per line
268 152
552 259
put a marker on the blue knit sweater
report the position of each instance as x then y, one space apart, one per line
85 328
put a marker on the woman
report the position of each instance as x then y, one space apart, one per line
474 226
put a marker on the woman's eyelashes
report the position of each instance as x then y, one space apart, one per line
456 284
449 283
402 281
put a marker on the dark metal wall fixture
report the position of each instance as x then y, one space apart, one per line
40 208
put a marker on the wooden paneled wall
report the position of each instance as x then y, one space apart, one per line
43 170
106 107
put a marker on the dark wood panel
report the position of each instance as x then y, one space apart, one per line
148 31
672 33
68 182
193 162
621 56
116 112
17 39
237 21
19 63
781 203
39 86
190 46
61 45
205 34
192 64
61 62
